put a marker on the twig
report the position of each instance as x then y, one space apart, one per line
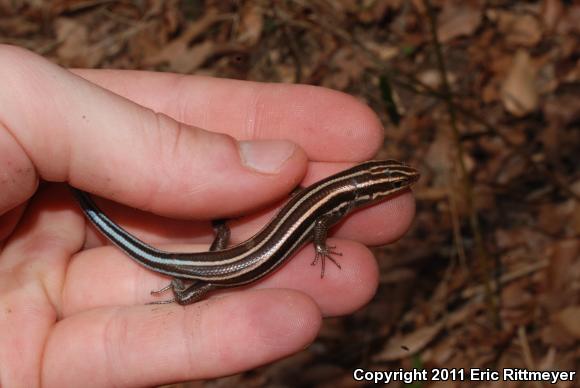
527 353
505 278
413 84
294 52
482 255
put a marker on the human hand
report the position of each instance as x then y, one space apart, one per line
72 307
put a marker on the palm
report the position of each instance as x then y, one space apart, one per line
71 314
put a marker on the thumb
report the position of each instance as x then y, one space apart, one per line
59 127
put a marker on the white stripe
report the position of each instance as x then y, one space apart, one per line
267 239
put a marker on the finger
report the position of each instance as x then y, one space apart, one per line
322 121
154 345
107 277
72 130
342 290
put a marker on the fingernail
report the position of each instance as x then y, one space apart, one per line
266 156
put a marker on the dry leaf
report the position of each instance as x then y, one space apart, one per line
407 345
563 255
74 49
72 35
511 238
516 296
519 94
551 13
569 22
251 24
575 221
177 53
547 362
458 20
433 79
562 109
569 318
520 29
189 60
553 219
348 66
383 51
18 26
554 334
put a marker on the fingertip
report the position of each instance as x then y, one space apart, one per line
341 290
361 279
346 128
266 156
278 322
208 339
362 130
382 223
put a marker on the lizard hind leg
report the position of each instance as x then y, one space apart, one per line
184 292
189 292
193 293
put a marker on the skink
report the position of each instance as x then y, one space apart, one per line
306 217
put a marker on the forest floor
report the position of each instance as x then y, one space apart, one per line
482 96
